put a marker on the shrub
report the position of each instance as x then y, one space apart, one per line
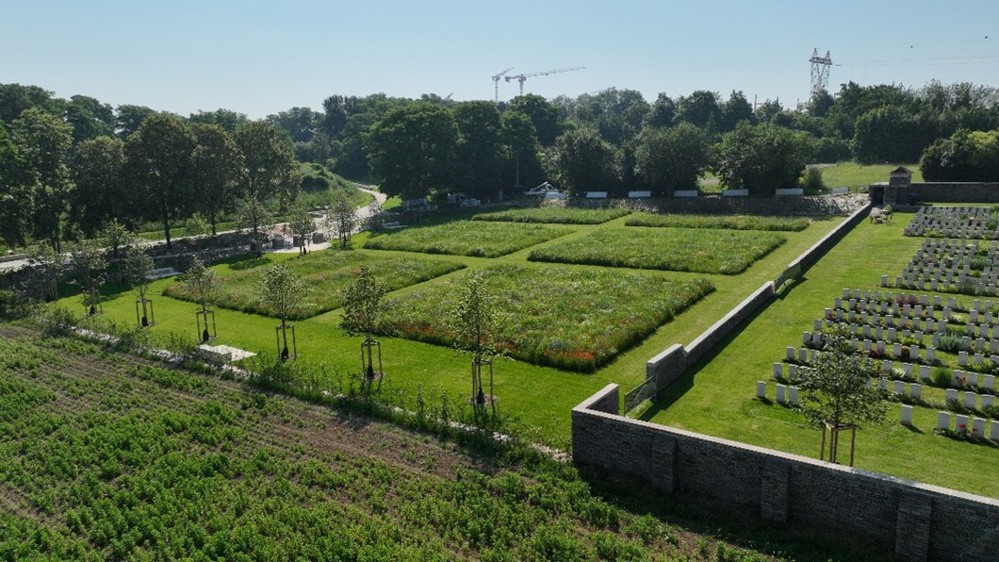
950 343
813 179
941 377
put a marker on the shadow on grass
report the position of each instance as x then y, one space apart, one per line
685 382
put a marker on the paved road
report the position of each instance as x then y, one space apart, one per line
362 213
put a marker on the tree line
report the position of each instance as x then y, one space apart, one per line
69 166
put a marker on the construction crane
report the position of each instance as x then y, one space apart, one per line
523 77
496 79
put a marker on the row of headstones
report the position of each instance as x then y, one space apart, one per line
958 377
919 312
962 423
784 394
901 298
965 284
973 230
957 247
980 344
929 271
955 210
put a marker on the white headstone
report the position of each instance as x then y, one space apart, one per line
943 420
898 387
790 353
994 430
961 423
793 395
924 372
987 401
978 427
906 414
951 395
989 382
778 371
969 400
962 358
761 390
916 391
781 389
931 354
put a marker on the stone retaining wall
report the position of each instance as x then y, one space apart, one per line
916 521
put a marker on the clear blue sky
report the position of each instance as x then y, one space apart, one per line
259 57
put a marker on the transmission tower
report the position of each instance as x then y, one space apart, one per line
820 71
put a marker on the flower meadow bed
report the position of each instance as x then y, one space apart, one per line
557 316
733 222
467 238
327 273
674 249
556 215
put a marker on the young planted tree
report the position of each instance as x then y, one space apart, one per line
203 285
281 292
473 323
342 218
115 237
253 216
302 225
362 310
135 271
90 271
840 392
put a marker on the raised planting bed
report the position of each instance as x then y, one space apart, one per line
557 316
555 215
733 222
327 273
674 249
466 238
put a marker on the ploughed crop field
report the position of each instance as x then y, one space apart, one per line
558 316
466 238
673 249
555 215
106 456
734 222
326 273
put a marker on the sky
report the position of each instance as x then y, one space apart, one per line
262 57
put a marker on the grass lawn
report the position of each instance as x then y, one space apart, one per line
559 316
327 273
466 238
535 399
733 222
718 397
557 215
673 249
859 176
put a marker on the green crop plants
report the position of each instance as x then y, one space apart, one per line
556 316
555 215
734 222
466 238
328 274
674 249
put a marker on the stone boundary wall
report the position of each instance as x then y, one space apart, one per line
954 192
666 367
916 521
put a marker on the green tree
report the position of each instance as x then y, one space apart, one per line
698 108
413 150
838 390
115 236
225 118
964 156
302 225
269 164
672 159
362 311
15 99
479 151
341 218
100 193
136 268
128 118
544 115
49 265
893 134
255 217
521 141
662 113
15 193
202 283
473 321
762 158
158 165
735 110
217 166
89 118
196 225
582 161
43 142
89 268
281 293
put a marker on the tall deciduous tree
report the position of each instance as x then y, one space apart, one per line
43 142
158 164
671 159
480 148
302 225
128 118
217 167
663 112
762 158
269 167
100 193
546 117
342 218
413 150
735 110
964 156
523 166
699 108
15 193
583 161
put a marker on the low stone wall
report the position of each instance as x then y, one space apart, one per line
953 192
916 521
666 367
